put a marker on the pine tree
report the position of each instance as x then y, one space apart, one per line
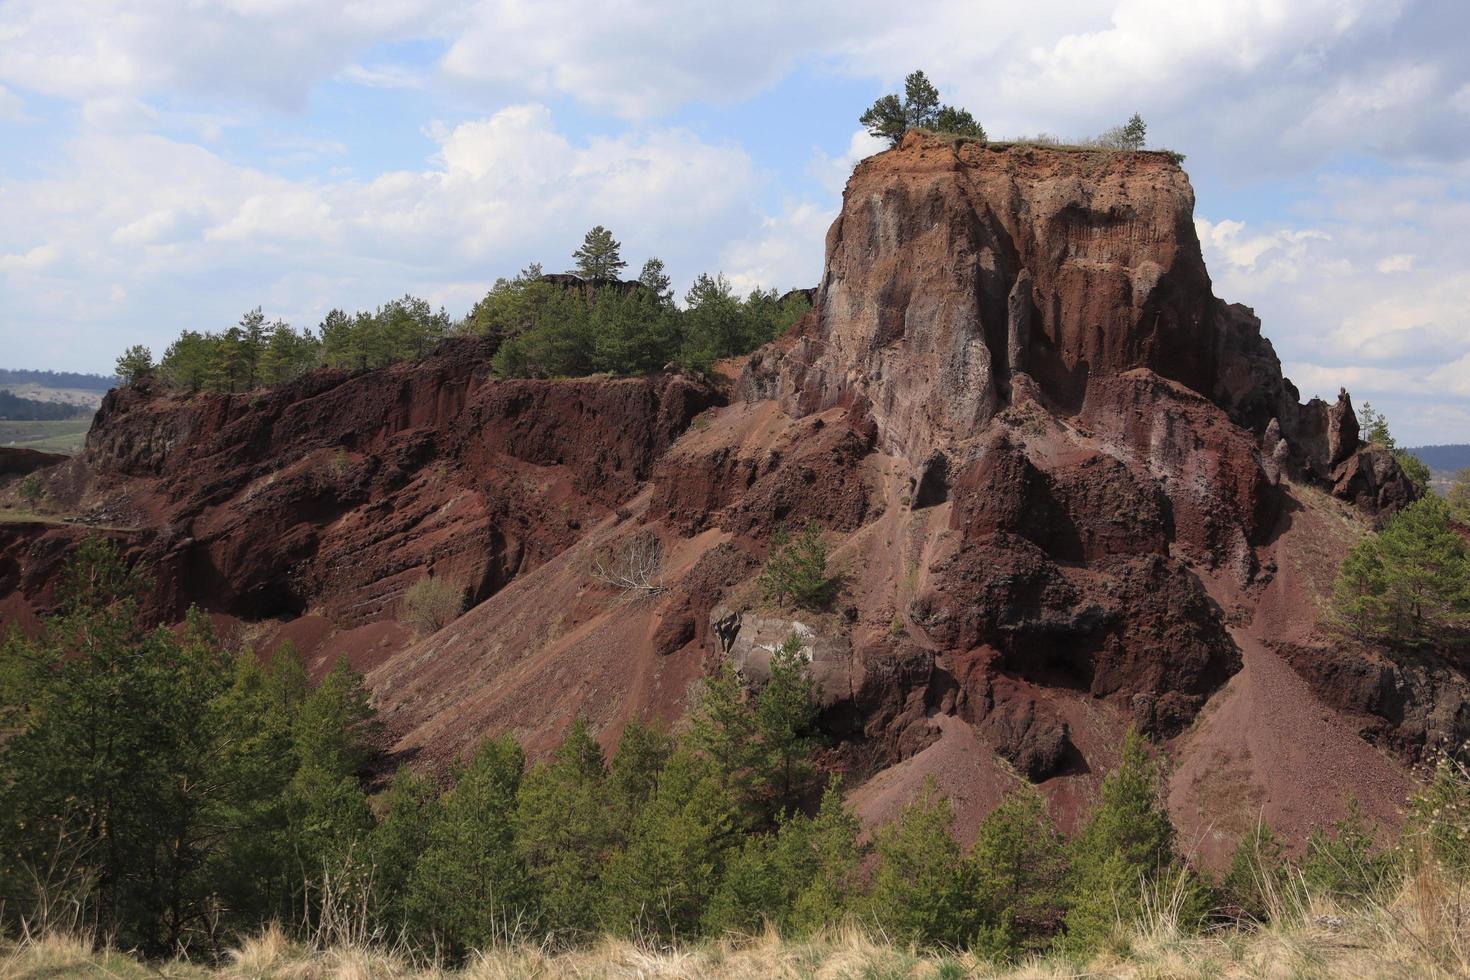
724 730
832 887
1410 582
920 892
252 345
633 776
886 119
796 569
135 364
656 280
565 834
920 101
1127 841
662 882
469 884
1019 868
600 255
1347 864
397 843
786 720
1458 498
959 122
1257 876
1134 133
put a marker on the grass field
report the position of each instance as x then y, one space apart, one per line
65 436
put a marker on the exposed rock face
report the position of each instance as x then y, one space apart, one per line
336 492
1061 481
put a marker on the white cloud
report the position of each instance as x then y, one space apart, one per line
265 50
786 252
1390 264
196 238
1357 300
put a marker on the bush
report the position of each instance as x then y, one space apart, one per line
1345 864
1409 582
1127 842
1257 874
633 567
32 489
796 570
1459 498
430 604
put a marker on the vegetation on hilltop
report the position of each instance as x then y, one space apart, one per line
541 326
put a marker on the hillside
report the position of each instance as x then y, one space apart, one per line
1067 489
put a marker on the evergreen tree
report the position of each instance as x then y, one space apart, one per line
1458 498
920 889
565 834
600 255
469 884
656 280
186 362
1134 133
889 118
252 345
1127 841
796 569
135 364
831 885
662 882
886 119
634 332
1410 582
1347 864
633 776
786 722
724 731
1019 868
920 101
959 122
1257 875
397 843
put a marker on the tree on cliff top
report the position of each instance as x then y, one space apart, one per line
1409 582
135 364
889 118
600 256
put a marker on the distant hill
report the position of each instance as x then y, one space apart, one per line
13 377
1445 458
14 407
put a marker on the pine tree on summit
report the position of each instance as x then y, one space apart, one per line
600 256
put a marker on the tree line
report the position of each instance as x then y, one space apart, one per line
173 794
541 326
16 408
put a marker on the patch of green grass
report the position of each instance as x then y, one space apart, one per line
63 436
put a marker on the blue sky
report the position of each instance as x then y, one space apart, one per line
169 164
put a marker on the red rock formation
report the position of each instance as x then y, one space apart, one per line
1067 490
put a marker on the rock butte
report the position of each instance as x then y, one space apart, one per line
1068 490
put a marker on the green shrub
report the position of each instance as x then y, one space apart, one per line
1410 582
1345 864
921 890
796 570
430 604
1019 868
32 489
1127 842
1258 875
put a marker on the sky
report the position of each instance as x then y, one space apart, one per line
170 164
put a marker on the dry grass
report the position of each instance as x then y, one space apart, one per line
1421 930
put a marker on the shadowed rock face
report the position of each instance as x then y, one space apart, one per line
1055 471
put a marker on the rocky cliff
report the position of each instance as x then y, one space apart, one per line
1067 490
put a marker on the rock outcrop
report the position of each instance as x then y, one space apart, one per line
1067 491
